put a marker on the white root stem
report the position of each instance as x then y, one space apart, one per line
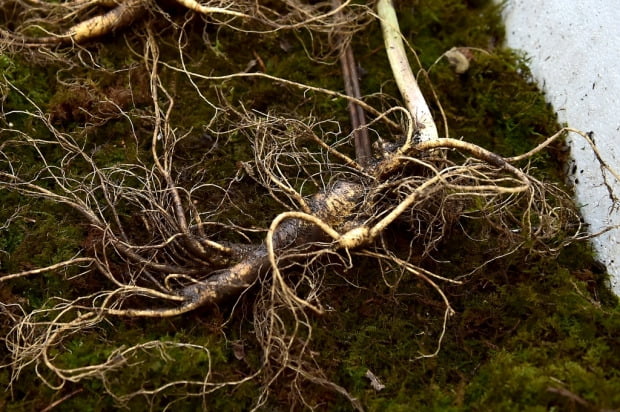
405 80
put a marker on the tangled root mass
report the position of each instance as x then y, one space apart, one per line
156 251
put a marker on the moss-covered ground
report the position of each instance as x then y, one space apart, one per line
530 333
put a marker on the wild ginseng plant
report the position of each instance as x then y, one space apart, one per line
157 250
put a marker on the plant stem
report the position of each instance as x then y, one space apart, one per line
405 80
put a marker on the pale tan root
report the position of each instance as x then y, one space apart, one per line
119 17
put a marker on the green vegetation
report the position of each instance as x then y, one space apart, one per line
530 333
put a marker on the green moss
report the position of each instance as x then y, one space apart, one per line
28 77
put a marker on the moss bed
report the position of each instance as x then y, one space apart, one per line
530 333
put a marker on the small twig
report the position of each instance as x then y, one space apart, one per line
356 112
570 395
358 119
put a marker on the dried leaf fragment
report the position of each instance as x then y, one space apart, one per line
238 350
458 60
374 381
